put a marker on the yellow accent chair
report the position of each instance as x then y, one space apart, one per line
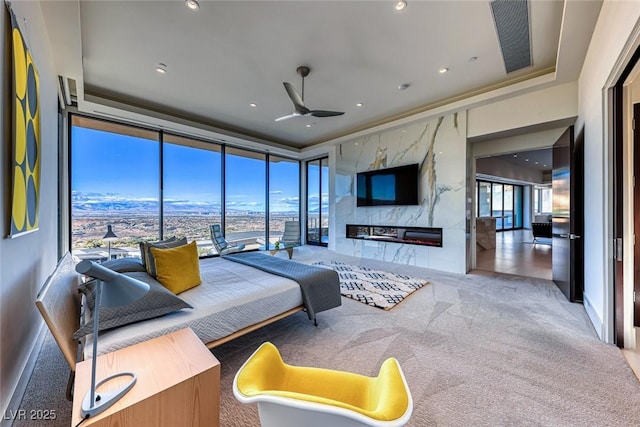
295 396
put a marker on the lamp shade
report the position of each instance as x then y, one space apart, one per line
110 236
118 289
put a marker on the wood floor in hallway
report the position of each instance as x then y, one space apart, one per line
517 253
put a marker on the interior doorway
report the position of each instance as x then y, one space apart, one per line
513 203
624 95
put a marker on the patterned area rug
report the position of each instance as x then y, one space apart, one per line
373 287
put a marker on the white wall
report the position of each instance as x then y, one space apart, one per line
542 106
401 146
26 261
617 21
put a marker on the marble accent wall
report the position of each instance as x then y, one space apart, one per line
439 146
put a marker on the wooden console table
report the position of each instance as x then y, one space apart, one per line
178 384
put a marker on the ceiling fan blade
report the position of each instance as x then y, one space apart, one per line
288 116
298 103
324 113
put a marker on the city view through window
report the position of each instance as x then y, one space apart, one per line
115 180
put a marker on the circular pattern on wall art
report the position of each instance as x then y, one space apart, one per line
26 138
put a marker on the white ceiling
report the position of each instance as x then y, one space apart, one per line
229 54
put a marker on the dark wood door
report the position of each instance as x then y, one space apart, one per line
567 183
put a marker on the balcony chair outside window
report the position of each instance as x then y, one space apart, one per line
294 396
220 244
291 234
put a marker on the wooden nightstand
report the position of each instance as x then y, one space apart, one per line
178 384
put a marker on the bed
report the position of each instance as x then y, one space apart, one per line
233 299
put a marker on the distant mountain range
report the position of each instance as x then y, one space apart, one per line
101 203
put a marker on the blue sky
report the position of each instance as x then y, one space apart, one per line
127 167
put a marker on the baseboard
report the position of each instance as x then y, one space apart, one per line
595 318
10 413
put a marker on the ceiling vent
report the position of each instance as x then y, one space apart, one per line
512 25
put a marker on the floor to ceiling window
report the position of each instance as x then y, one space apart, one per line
504 202
115 179
245 197
318 201
542 200
284 194
192 189
148 184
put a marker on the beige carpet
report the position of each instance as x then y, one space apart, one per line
477 350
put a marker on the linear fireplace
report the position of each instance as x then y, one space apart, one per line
426 236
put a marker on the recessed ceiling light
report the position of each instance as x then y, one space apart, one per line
161 68
515 155
526 160
400 5
253 104
359 104
443 70
473 58
192 4
404 130
308 125
544 166
536 163
403 86
356 143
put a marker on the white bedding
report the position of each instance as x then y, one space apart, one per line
231 297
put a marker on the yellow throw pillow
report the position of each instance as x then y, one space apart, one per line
178 269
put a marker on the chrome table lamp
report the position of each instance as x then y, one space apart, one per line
118 290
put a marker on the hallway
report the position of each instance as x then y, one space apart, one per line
515 253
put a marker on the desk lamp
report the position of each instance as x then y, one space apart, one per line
118 290
109 237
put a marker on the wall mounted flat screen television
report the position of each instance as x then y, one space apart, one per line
392 186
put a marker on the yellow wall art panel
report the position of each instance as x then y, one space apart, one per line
25 195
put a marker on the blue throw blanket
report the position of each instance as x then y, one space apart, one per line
320 286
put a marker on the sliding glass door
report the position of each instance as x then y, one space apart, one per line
504 202
318 201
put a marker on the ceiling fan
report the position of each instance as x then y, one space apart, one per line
298 101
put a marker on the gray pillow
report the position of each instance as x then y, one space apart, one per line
124 265
157 302
150 262
144 250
